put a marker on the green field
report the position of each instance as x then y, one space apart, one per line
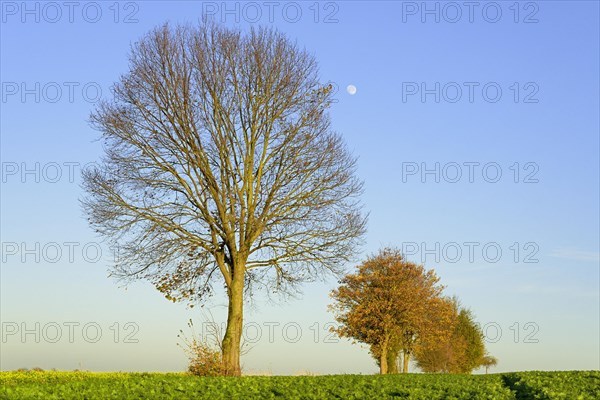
569 385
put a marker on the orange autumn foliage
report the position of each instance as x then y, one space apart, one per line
391 304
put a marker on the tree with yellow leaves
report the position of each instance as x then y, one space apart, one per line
390 304
463 349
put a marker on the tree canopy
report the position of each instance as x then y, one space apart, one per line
396 306
461 352
389 304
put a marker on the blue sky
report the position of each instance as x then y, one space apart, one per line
521 249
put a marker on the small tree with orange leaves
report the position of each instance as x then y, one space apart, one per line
389 304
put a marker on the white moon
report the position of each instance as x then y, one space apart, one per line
351 89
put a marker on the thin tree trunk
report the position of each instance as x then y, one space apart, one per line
233 332
405 360
383 365
392 361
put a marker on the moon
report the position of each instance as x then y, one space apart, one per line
351 89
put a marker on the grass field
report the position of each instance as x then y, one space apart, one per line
568 385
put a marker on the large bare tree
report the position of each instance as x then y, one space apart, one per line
221 166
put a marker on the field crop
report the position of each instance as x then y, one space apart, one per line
559 385
579 385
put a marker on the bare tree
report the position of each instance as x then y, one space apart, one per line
221 166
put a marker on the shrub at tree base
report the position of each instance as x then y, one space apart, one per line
205 361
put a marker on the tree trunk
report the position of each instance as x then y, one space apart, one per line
383 368
233 332
383 365
405 360
392 361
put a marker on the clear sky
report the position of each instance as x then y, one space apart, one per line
477 131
